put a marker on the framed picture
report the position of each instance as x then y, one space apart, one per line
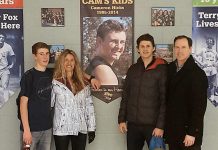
52 17
162 16
55 51
164 51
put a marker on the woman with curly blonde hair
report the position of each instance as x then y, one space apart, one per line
74 115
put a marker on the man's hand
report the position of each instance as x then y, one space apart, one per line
189 140
158 132
95 83
27 137
123 127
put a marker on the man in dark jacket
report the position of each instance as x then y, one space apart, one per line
186 99
142 108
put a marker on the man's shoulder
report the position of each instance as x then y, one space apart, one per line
135 67
95 62
7 47
198 69
28 72
33 71
27 75
98 61
50 70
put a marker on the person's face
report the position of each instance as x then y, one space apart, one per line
69 63
160 12
182 50
2 38
42 57
155 11
112 46
146 49
210 42
165 12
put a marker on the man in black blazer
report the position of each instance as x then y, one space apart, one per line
186 99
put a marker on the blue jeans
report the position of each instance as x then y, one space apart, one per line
41 140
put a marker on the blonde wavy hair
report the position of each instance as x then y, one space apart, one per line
78 74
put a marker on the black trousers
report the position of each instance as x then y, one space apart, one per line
174 146
77 142
137 135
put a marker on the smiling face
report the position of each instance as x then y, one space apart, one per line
112 46
69 63
42 57
182 50
146 49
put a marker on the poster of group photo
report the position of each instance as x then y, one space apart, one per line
11 49
52 17
163 16
205 45
107 45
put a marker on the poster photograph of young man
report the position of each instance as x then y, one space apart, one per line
107 50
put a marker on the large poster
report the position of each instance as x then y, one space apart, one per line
11 47
205 42
107 43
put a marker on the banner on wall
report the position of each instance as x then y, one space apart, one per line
205 42
107 44
11 47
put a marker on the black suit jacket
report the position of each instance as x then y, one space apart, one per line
186 101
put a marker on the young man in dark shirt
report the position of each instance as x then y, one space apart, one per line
35 101
142 108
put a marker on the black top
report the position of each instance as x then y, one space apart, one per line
36 85
186 102
143 97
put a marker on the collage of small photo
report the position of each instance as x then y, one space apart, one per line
55 51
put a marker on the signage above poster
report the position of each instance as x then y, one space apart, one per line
204 2
11 4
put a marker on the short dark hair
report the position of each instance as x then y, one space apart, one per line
183 37
39 45
145 37
108 26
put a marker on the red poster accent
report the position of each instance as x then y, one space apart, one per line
11 4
